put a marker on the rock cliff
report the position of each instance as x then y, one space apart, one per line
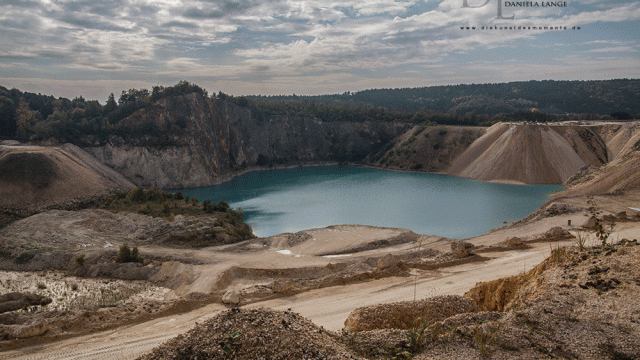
222 139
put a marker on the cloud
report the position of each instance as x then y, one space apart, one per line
275 42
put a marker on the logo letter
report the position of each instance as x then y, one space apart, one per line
500 12
466 4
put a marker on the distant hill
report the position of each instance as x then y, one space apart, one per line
35 117
603 97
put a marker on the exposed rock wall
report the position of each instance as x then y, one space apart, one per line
427 148
221 138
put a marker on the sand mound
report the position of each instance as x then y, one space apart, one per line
36 176
407 314
531 154
253 334
619 175
619 137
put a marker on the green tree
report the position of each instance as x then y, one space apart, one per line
111 104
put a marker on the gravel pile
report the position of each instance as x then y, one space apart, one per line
254 334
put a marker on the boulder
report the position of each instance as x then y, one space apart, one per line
622 215
590 224
462 248
231 297
557 233
27 331
387 261
514 241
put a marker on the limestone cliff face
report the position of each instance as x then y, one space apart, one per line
221 139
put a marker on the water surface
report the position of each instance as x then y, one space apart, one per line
290 200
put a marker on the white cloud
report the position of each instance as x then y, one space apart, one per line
275 42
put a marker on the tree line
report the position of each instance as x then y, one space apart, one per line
34 117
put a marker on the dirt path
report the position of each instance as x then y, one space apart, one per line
328 307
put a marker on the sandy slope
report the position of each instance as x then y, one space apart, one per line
532 154
620 174
38 176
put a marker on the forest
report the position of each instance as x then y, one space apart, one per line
35 117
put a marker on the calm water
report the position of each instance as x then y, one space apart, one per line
290 200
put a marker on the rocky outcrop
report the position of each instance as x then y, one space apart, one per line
462 249
426 148
16 301
27 331
222 139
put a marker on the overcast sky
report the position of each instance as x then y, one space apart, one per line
95 47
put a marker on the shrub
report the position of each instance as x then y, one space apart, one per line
601 230
483 338
416 335
166 208
206 205
80 260
137 195
125 254
41 286
145 210
581 239
155 194
24 258
120 195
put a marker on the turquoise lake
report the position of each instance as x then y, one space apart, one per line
290 200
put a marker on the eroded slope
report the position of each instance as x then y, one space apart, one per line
531 154
32 177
